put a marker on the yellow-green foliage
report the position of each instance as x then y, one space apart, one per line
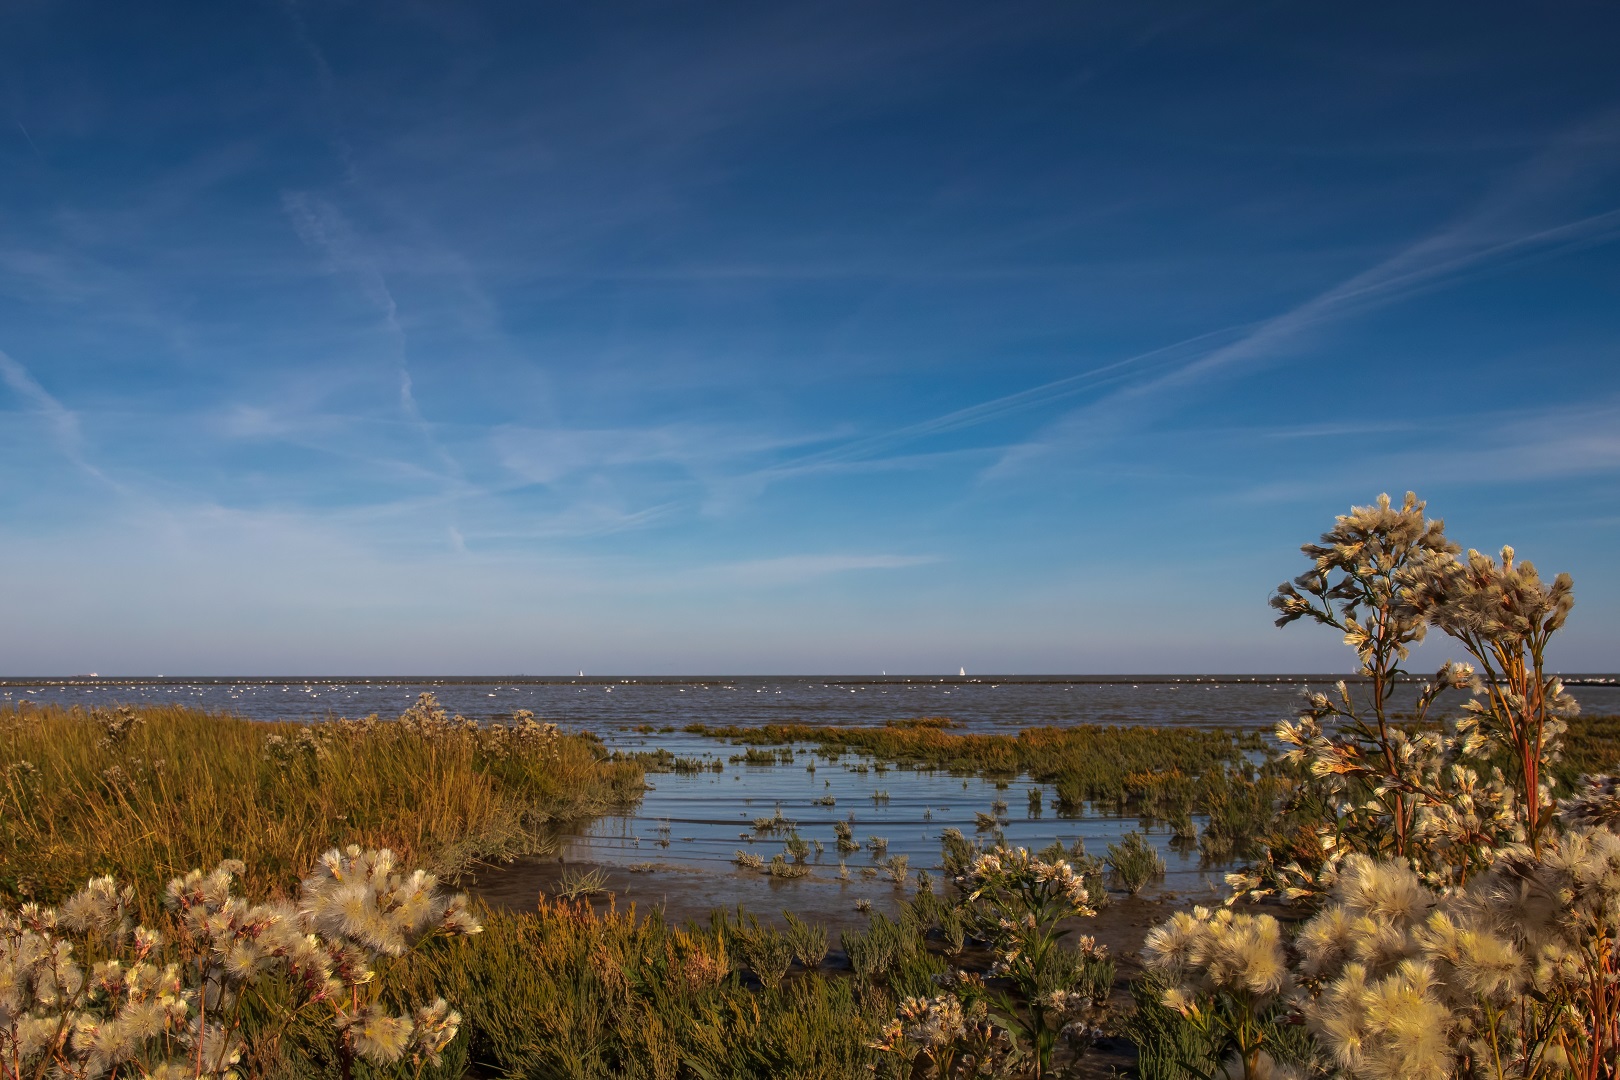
1591 748
146 794
1163 774
569 992
1093 761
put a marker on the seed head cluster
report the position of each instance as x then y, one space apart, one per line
1466 924
83 990
1003 870
950 1038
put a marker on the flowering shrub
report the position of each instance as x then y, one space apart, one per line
948 1038
84 992
1442 800
1015 901
1464 928
1226 971
1513 976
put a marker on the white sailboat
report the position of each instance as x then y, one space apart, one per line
961 672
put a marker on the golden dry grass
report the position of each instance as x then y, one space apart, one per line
184 788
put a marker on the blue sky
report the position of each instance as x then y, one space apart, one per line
513 338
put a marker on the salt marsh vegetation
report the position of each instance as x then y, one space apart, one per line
148 793
1159 775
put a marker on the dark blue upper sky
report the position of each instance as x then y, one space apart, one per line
462 337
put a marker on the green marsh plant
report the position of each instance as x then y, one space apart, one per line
1134 863
581 884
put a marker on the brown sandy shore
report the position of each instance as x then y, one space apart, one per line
684 894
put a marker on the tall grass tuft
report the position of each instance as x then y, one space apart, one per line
1134 863
147 793
809 941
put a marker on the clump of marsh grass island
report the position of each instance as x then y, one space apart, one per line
774 825
581 884
1157 773
1134 863
899 868
780 867
90 992
148 800
845 833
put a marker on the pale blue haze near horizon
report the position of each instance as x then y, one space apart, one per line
472 338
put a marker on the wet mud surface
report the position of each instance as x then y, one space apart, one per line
688 895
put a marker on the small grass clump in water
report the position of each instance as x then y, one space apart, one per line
1134 863
147 793
580 884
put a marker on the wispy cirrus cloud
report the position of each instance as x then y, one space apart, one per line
62 422
1539 445
321 225
547 455
795 569
1506 227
